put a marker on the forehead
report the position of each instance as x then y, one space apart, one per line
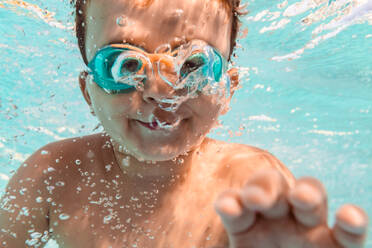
152 23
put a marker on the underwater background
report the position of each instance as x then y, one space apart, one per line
305 96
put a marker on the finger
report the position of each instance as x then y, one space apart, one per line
309 202
350 229
234 217
265 192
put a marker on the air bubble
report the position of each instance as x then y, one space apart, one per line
164 48
108 167
60 184
36 235
45 238
44 152
22 191
133 198
125 161
140 86
64 216
24 211
39 199
107 219
31 242
77 162
178 12
122 21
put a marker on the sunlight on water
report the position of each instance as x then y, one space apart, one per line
305 96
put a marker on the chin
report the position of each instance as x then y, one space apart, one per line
164 153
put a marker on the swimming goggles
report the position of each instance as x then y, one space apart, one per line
123 68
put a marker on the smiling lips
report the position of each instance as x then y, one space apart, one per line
152 125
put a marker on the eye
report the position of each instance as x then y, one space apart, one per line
193 63
130 65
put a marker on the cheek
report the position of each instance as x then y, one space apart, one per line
207 110
111 106
211 105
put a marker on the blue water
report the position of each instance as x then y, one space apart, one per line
306 88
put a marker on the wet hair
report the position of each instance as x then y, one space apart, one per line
80 24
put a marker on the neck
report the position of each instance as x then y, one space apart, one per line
153 171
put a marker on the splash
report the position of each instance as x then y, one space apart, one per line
357 14
341 15
43 14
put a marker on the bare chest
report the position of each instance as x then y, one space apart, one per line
116 215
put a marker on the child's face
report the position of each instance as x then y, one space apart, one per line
126 117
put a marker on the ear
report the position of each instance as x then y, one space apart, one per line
234 80
233 74
83 87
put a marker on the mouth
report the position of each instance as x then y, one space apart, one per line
157 125
150 125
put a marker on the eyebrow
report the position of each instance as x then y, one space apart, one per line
174 45
128 43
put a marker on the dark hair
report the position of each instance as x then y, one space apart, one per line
80 24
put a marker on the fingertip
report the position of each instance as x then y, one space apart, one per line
228 206
309 202
352 219
256 199
263 189
305 196
234 217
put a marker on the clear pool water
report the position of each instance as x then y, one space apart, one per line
306 92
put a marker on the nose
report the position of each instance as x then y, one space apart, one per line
160 78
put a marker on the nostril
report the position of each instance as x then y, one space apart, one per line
151 99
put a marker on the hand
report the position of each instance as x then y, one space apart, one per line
266 212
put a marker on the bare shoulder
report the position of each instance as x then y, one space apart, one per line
33 189
57 155
73 147
236 162
65 160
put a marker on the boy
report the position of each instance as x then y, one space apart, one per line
158 81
